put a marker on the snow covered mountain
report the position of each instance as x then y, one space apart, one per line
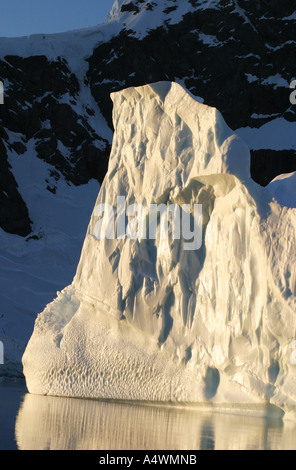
56 123
148 318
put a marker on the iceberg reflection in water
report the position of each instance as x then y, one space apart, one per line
55 423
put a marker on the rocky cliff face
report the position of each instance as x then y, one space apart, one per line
237 55
43 112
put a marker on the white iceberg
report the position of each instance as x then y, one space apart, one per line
146 319
283 189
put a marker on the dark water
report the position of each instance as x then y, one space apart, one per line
30 422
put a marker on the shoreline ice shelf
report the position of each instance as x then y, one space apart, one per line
147 320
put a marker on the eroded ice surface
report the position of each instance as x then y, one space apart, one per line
148 320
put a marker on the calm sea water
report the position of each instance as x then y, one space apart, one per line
30 422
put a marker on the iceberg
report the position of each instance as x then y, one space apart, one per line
283 189
149 319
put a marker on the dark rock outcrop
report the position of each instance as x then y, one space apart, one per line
42 105
225 55
14 216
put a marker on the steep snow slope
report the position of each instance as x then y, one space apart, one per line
141 17
148 319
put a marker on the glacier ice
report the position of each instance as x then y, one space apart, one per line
145 319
